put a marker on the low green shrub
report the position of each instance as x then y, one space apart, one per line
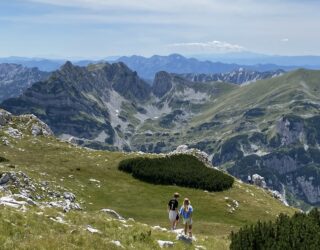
2 159
180 170
302 231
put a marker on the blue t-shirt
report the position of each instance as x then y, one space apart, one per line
185 214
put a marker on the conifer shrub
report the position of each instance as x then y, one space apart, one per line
180 170
301 231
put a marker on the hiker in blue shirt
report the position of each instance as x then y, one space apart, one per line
185 212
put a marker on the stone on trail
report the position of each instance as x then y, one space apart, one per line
185 238
94 180
112 213
163 243
178 231
199 247
58 220
162 229
92 230
117 243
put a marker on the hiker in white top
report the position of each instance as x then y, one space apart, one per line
186 211
249 179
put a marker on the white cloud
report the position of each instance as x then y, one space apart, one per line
284 40
218 46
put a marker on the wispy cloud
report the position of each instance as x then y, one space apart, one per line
284 40
152 26
218 46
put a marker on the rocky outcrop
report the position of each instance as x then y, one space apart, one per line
291 130
26 124
200 155
19 191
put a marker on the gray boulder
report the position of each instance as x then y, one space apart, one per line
5 117
5 178
112 213
69 196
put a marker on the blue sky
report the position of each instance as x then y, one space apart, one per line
100 28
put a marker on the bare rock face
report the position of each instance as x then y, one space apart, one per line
281 163
5 117
162 84
290 131
309 189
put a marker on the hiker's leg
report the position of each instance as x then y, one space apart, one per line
173 225
190 230
186 229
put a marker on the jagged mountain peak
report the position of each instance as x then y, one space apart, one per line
162 83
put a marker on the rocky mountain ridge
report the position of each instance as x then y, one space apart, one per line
239 76
104 104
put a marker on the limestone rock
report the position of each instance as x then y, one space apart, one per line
200 155
5 117
112 213
14 133
259 180
164 244
69 196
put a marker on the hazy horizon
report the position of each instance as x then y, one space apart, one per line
97 28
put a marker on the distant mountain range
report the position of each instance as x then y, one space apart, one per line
249 58
175 63
148 67
14 79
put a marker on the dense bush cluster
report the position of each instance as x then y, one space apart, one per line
301 231
180 170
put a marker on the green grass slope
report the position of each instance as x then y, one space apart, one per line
276 94
59 163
